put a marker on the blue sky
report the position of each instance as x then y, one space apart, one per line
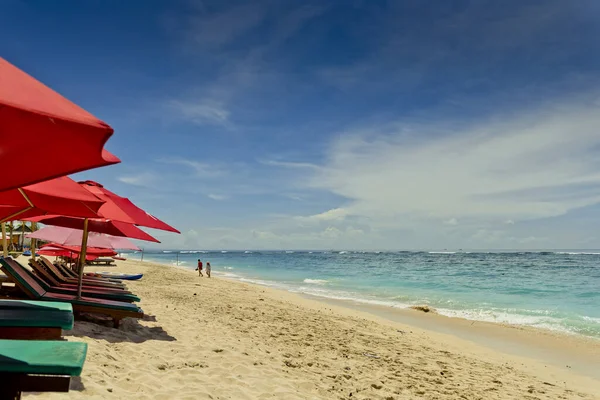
341 124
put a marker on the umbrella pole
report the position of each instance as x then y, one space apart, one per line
84 240
4 245
22 238
33 241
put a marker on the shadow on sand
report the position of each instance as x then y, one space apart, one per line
130 330
75 385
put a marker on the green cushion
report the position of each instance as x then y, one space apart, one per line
42 357
37 305
31 318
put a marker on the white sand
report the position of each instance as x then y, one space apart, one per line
219 339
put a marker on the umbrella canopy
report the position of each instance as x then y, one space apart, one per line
56 196
73 237
54 251
122 209
31 113
113 228
92 252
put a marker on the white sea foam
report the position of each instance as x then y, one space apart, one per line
227 267
504 317
167 251
264 283
247 252
592 319
227 275
577 253
343 252
442 252
345 296
316 281
223 251
289 252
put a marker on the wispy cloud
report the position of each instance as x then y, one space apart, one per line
202 112
537 164
144 179
289 164
201 169
214 30
217 197
336 214
240 43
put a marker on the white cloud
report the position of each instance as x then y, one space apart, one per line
264 235
534 165
451 221
288 164
202 112
336 214
509 222
143 179
217 196
532 239
201 169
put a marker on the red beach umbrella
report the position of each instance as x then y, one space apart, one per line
56 196
91 251
109 227
73 237
115 208
122 209
36 119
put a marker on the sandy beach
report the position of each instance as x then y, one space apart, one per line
221 339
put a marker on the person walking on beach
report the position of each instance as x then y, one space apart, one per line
208 269
199 268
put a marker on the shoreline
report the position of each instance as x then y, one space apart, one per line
564 351
556 348
327 294
548 346
219 338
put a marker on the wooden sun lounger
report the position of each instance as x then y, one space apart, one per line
39 320
51 268
38 366
87 291
99 261
49 279
117 310
67 272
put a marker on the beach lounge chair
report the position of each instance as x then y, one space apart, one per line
66 271
98 293
58 275
27 319
117 310
38 366
49 278
105 261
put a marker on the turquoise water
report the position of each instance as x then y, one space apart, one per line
552 290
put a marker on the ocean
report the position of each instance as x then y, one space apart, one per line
557 290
